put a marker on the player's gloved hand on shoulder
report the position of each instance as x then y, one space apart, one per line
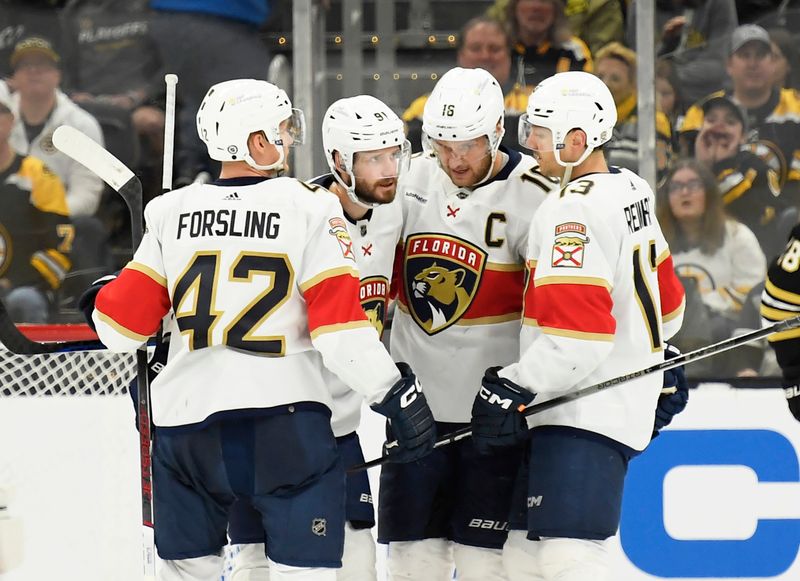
791 389
497 418
674 393
411 422
86 302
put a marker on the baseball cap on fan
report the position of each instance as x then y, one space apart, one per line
749 33
728 103
34 45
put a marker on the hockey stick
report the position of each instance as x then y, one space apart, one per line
666 365
112 171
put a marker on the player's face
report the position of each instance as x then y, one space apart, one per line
617 77
687 196
540 142
376 174
465 162
486 47
752 67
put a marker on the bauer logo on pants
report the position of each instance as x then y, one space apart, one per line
441 276
569 245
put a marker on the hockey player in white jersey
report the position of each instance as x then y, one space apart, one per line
367 151
467 206
259 272
602 298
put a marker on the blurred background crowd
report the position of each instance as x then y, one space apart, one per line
727 123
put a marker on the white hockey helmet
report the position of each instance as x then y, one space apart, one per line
465 104
567 101
362 123
232 110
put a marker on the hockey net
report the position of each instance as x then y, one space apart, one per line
69 455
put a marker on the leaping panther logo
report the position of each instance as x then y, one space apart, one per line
374 293
441 277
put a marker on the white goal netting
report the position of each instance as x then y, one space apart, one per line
69 455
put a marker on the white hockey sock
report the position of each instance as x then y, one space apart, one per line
207 568
281 572
573 559
358 561
426 560
250 563
521 557
478 563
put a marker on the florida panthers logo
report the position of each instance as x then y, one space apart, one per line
441 277
373 294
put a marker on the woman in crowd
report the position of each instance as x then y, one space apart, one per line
718 258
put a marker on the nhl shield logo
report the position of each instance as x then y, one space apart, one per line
441 276
569 245
373 293
319 526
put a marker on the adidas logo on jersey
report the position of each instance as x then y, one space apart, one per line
233 196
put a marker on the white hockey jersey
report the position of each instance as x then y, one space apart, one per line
463 268
374 240
261 275
602 297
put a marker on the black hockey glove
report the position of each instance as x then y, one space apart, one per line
674 393
86 302
155 365
496 413
410 419
792 392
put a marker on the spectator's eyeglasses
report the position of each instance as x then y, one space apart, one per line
691 185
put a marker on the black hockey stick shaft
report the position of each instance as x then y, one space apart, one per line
666 365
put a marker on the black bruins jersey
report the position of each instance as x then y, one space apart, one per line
35 232
751 193
781 300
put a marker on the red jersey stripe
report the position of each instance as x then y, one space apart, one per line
581 308
500 293
334 301
670 289
135 302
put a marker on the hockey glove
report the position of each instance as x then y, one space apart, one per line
496 413
410 419
674 393
792 392
86 302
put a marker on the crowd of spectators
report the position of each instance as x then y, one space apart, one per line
727 122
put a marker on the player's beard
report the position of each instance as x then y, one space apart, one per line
380 191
